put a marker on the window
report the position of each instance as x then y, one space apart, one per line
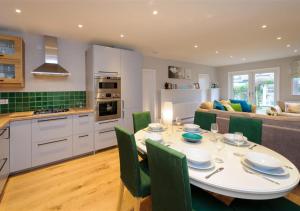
296 86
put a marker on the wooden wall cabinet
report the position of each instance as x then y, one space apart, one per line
12 73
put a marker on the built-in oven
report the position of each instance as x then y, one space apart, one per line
107 84
107 109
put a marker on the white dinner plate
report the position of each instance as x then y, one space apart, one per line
156 130
263 161
273 172
154 136
197 156
206 166
244 144
191 131
155 126
191 127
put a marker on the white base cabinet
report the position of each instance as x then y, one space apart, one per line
20 145
105 134
83 143
44 152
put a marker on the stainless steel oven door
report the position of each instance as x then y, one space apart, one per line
108 109
108 85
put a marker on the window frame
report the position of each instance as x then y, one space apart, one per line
293 90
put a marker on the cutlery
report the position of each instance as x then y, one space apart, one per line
257 174
238 154
214 172
253 146
288 167
219 160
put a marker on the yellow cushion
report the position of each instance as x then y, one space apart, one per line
207 105
292 107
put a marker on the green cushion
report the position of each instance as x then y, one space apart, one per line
236 107
251 128
204 119
202 200
134 174
170 188
141 120
280 204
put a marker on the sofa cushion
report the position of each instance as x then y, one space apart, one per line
218 105
292 107
207 105
245 106
228 107
236 107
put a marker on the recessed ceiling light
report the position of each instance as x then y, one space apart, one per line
18 11
288 45
264 26
217 52
80 25
278 38
296 50
195 46
122 35
231 56
244 59
154 12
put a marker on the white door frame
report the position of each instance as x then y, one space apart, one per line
251 73
154 94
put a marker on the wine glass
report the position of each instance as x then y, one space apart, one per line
220 146
239 138
214 129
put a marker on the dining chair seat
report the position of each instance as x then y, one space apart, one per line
280 204
170 187
134 173
204 119
251 128
141 120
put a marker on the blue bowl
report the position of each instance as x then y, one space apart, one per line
192 137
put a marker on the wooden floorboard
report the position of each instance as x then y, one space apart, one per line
86 183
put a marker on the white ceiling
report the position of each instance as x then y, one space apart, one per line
233 27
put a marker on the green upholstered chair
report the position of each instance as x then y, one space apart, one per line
170 187
141 120
204 119
134 174
280 204
251 128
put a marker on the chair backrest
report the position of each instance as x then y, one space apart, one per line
251 128
204 119
170 187
129 163
141 120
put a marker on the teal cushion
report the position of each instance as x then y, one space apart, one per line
218 105
244 104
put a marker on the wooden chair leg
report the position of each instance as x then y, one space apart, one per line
137 205
121 193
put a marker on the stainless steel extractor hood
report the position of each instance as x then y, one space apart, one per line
51 66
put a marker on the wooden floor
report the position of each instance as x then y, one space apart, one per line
87 183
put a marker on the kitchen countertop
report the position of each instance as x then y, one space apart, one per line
5 119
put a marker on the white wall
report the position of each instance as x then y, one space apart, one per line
71 57
161 67
285 92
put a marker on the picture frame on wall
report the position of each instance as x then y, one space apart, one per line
176 72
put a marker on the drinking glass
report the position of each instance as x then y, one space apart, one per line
178 121
214 129
239 138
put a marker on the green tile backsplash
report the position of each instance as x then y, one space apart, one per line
29 101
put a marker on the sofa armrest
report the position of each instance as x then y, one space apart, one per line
253 108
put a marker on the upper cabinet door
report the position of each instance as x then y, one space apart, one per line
131 79
10 47
106 59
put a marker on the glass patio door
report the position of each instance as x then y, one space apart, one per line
259 87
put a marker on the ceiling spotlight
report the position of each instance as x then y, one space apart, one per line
122 35
155 12
18 11
80 25
288 45
231 56
278 38
195 46
264 26
244 59
296 51
217 52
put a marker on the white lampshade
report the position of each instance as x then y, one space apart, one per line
167 113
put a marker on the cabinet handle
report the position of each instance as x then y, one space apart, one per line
83 136
51 142
3 131
1 54
5 159
47 120
106 131
100 123
1 80
85 115
123 104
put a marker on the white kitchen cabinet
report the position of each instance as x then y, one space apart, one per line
83 123
104 135
83 143
51 128
20 145
44 152
106 59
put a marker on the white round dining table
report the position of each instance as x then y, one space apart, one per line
233 181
